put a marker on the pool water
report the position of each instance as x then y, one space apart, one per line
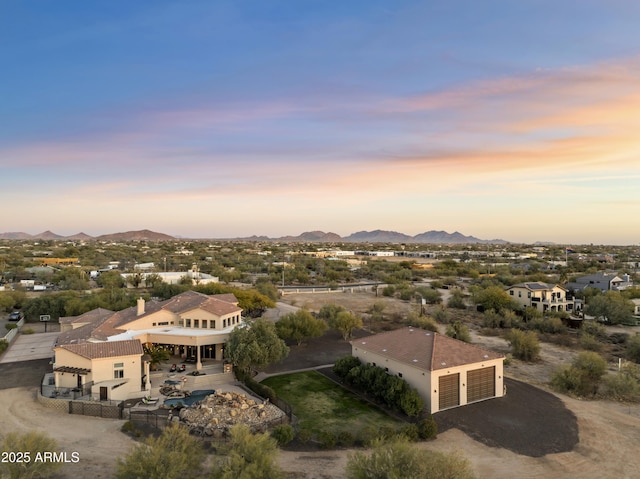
195 396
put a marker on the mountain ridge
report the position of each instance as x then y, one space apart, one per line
375 236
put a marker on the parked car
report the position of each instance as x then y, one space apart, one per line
16 316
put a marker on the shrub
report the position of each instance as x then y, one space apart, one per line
283 434
582 377
27 331
128 427
410 431
589 342
622 387
547 325
593 327
441 315
346 439
304 436
458 330
327 439
633 348
427 428
524 345
9 326
424 322
345 364
3 345
367 436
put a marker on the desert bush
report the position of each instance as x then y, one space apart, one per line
493 319
283 434
594 328
547 325
618 338
589 342
9 326
410 431
456 300
633 348
346 439
3 345
327 439
31 443
582 377
427 428
622 386
524 344
304 436
423 322
458 330
441 315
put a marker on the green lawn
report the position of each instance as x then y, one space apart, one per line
322 405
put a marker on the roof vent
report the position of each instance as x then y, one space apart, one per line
427 334
443 363
384 350
410 330
364 342
415 360
486 356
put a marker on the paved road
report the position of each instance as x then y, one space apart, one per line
27 347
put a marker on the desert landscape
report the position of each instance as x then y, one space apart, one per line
608 431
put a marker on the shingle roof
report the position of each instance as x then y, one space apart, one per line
424 349
536 286
106 349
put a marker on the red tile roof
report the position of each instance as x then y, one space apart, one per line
131 347
424 349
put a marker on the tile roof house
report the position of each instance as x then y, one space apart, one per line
103 345
445 371
541 296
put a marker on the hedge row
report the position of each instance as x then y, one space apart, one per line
392 391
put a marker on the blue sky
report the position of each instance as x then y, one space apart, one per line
499 119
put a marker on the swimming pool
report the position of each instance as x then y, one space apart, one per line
194 397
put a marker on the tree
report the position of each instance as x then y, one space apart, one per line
633 348
494 297
611 307
457 330
300 326
398 459
156 355
346 322
330 311
251 456
255 345
173 455
32 445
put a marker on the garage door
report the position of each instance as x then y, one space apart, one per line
481 384
449 387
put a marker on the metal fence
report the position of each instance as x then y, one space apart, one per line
98 409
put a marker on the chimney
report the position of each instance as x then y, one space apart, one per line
140 306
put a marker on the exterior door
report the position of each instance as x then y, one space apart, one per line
103 393
449 391
481 384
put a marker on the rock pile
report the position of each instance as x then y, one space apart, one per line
215 414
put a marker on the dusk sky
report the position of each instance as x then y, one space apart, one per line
517 120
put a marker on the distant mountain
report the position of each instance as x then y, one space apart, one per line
141 235
48 235
16 236
126 236
312 236
378 236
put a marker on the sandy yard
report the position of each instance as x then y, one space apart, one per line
609 433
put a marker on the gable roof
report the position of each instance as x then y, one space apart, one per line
112 349
424 349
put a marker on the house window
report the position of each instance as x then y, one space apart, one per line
519 294
196 323
164 323
188 323
224 323
529 294
511 292
212 324
118 370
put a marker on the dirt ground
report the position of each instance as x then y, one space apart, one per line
607 433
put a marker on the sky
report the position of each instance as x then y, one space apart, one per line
223 119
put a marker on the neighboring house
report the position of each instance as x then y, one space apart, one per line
175 277
541 296
446 372
601 281
191 326
636 306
